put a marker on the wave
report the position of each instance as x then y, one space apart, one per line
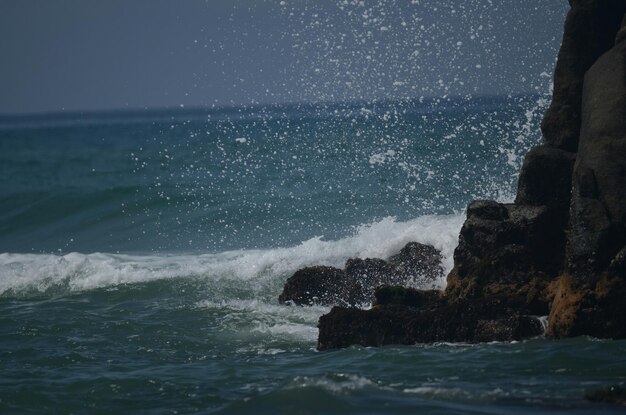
263 271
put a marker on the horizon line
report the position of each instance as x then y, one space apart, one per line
225 107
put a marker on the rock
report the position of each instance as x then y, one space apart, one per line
597 229
418 263
316 285
589 295
410 297
545 180
344 327
472 320
502 248
581 309
366 275
617 267
590 29
487 209
415 264
613 394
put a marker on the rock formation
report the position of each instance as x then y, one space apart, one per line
317 285
560 249
355 285
408 316
592 289
613 394
590 28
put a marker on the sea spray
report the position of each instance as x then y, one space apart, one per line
144 183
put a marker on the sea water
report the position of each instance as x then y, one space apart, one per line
142 254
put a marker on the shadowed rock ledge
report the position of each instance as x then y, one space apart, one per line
408 316
560 249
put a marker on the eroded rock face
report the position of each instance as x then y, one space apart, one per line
546 180
354 286
597 230
590 29
579 268
589 296
594 310
502 247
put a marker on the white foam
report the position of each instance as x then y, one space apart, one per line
270 320
338 383
24 273
438 392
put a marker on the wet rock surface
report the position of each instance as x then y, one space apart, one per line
505 249
316 285
425 317
354 286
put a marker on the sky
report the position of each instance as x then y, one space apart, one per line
86 55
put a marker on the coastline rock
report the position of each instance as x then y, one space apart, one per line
367 274
420 262
470 321
316 285
545 180
415 264
502 248
597 229
410 297
595 310
590 29
590 296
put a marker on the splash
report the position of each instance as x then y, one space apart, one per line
245 272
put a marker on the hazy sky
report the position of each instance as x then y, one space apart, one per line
112 54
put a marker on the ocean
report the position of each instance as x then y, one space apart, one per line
142 254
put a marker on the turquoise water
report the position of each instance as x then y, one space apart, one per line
164 347
142 254
216 180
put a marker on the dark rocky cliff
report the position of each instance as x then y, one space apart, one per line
560 249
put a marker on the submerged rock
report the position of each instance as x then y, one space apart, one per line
612 394
415 264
